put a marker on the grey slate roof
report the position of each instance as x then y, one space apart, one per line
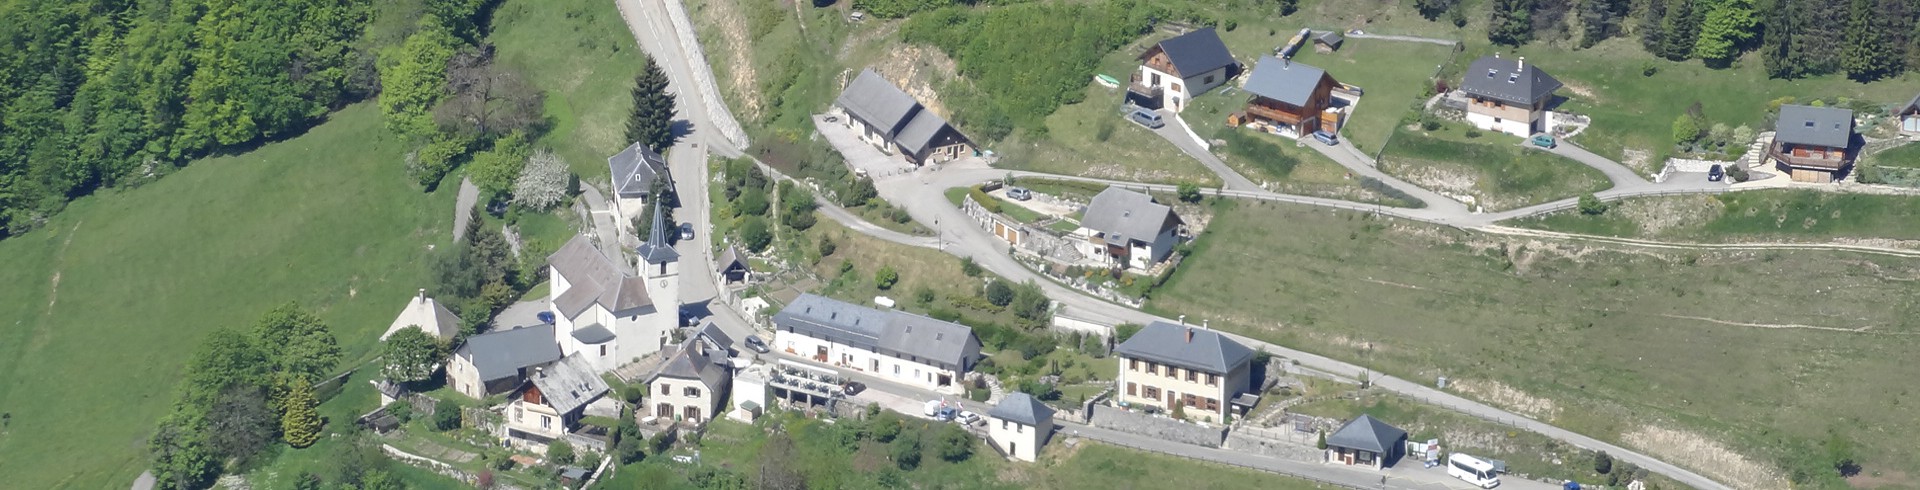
1367 434
593 334
890 332
731 258
712 332
1912 105
568 384
504 353
595 278
1196 52
1167 343
692 363
1504 79
429 315
920 132
1022 408
1818 126
1283 80
1125 214
657 250
634 170
875 101
1330 38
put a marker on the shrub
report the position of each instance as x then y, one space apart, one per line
446 416
906 451
1591 205
1322 443
754 234
999 293
1602 463
629 451
953 443
1647 68
633 393
986 202
885 278
979 394
1473 133
969 267
1125 331
560 453
1685 129
923 295
1189 192
827 247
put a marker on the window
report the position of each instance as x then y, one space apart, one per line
546 422
603 350
1133 364
666 389
519 414
1152 393
1173 372
1213 405
1019 429
896 369
691 391
1152 368
1133 390
1003 424
1213 380
1209 79
1192 377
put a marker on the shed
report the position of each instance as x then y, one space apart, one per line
1366 441
1328 42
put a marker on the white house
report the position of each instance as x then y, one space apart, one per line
889 344
692 385
497 362
608 312
1199 370
1127 230
1019 426
635 171
550 404
427 315
1180 68
1508 96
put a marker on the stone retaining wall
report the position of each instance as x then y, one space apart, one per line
1119 419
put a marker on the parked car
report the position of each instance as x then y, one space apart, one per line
1325 137
938 410
545 317
1715 173
754 342
1019 193
686 231
968 418
1544 141
1146 118
853 388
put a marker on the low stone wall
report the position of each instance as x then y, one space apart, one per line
1250 441
1113 418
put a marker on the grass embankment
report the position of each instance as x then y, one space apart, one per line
1762 215
109 299
1496 171
587 100
1899 166
1759 353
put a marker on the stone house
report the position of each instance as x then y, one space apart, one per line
889 344
552 401
497 362
1366 441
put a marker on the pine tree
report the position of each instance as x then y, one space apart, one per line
1511 23
1682 29
1864 57
301 425
1653 34
652 119
1779 51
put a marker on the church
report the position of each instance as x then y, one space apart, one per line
609 311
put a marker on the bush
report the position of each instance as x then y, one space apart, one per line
1647 68
1591 205
885 278
559 452
1685 129
923 295
986 202
827 247
999 293
1473 133
446 416
633 393
979 394
1189 192
969 267
629 451
754 234
859 193
953 443
1602 463
1125 331
906 451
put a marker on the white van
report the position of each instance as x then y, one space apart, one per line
1472 470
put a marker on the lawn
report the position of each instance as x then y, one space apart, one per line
134 278
1905 156
1097 465
1899 166
1747 216
1654 349
1093 139
1394 76
1496 171
586 88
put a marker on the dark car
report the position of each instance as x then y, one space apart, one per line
754 342
686 231
545 317
853 388
1715 173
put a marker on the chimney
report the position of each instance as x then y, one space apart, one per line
1189 335
1203 325
1496 55
423 293
1521 64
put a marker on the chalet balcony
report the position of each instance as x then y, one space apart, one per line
1803 158
1139 86
1273 114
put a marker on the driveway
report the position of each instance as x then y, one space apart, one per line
1183 137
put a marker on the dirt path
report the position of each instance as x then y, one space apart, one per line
59 259
1830 247
1863 329
463 207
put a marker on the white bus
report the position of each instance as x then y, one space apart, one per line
1472 470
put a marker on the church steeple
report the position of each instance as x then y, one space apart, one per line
657 250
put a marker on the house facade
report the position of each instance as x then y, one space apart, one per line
1366 441
1812 144
886 117
1019 426
611 313
1176 70
691 386
497 362
1125 229
634 173
551 402
1909 116
889 344
1508 96
1291 99
428 315
1167 365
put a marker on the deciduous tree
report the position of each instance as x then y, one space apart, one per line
1729 24
411 355
297 342
413 78
485 98
542 183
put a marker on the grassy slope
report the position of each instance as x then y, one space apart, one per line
1903 156
1431 301
1768 215
581 54
327 218
1494 169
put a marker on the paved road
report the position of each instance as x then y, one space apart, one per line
1410 39
1182 137
1623 178
1351 158
920 193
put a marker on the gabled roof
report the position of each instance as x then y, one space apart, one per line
1330 38
1508 80
731 258
890 332
593 278
593 334
1911 106
1195 52
718 338
634 170
875 101
1367 434
567 384
1169 344
658 250
1022 408
693 363
1817 126
1284 80
920 132
432 318
1125 214
503 353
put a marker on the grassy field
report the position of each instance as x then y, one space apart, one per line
1074 145
586 88
1496 171
1903 156
114 293
1762 215
1676 352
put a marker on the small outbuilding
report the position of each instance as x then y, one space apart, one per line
733 267
429 316
1366 441
1909 116
1328 42
1019 426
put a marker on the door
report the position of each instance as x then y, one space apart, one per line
820 354
692 413
1013 449
664 411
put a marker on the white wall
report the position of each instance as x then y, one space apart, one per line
890 368
1018 440
672 391
1486 122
